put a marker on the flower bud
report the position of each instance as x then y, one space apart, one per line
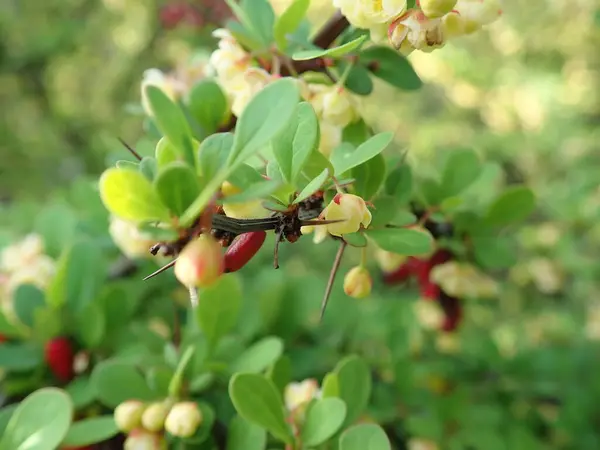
128 238
429 315
153 417
128 415
349 208
358 283
143 440
184 419
331 137
200 263
298 394
333 105
20 254
436 8
389 261
422 444
477 13
247 86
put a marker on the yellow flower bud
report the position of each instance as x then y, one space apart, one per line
436 8
421 444
200 263
184 419
298 394
388 261
128 238
128 415
143 440
153 417
352 209
358 282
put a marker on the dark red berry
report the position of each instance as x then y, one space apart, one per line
429 291
441 256
452 311
59 356
171 15
243 249
400 275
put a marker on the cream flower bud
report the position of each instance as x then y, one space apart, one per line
229 61
478 13
349 208
129 239
21 254
366 13
453 25
153 417
143 440
154 77
463 280
421 444
128 415
38 272
358 282
247 86
429 314
333 104
331 137
246 210
184 419
436 8
388 261
298 394
200 263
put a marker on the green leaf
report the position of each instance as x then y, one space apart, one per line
289 21
207 104
354 386
116 382
259 356
40 422
358 80
20 357
91 431
171 122
265 116
81 391
293 146
27 298
355 239
242 33
243 435
91 325
56 223
383 211
513 205
391 67
461 169
367 436
343 159
315 164
313 186
403 241
256 399
334 52
213 153
331 385
493 252
148 167
130 195
280 373
261 18
369 177
80 275
245 176
399 183
256 191
165 153
219 309
5 414
323 419
178 186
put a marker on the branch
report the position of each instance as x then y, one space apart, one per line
331 30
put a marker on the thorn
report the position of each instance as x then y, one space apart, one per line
161 270
320 222
130 148
332 274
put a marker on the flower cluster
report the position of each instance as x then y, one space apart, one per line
23 262
425 27
145 424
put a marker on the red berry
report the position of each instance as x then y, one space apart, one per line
243 250
400 275
429 290
440 257
3 338
452 311
59 356
172 15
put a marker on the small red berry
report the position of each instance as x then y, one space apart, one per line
243 250
59 357
452 311
429 290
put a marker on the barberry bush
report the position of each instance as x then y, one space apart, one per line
308 282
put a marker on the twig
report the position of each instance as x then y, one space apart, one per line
332 274
131 149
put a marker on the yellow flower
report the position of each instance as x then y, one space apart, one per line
415 31
463 280
229 61
245 87
22 253
478 13
366 13
333 104
331 137
349 208
358 282
436 8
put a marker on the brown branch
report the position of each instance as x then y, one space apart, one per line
331 30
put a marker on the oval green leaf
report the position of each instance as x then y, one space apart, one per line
40 422
27 299
20 357
334 52
177 186
289 21
343 159
461 169
403 241
90 431
313 186
259 356
323 419
368 436
391 67
116 382
256 399
513 205
243 435
207 104
354 386
129 194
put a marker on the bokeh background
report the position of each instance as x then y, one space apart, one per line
525 93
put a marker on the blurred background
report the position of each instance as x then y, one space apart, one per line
526 93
